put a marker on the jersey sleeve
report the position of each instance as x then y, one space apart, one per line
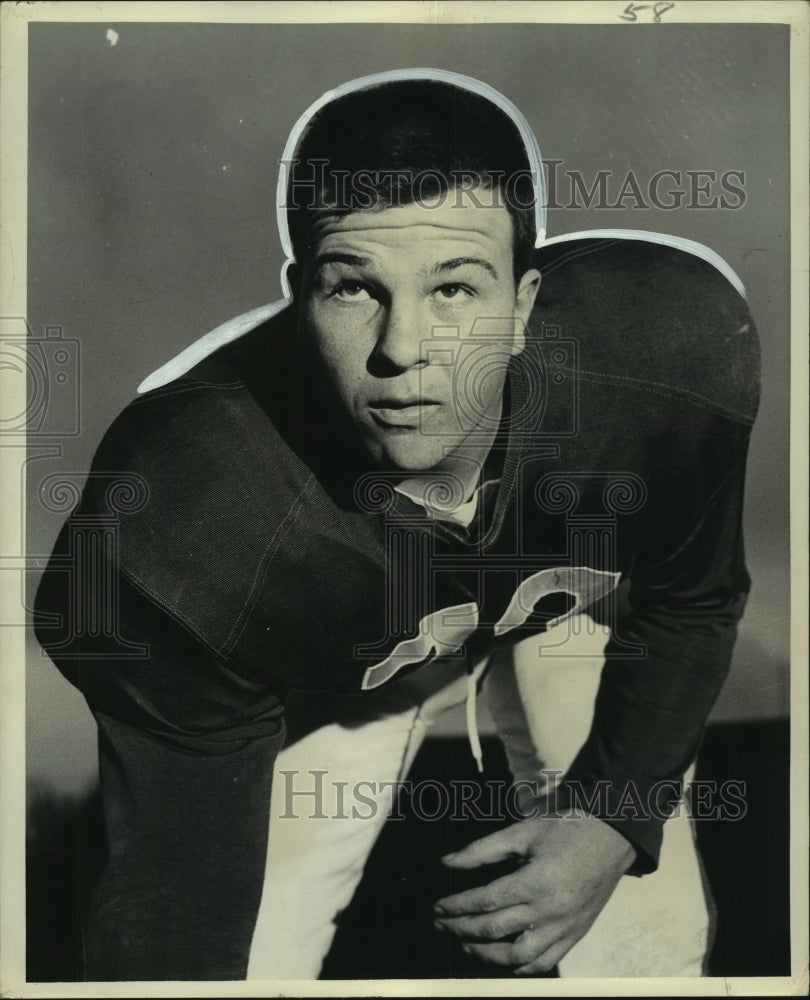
186 751
667 383
651 709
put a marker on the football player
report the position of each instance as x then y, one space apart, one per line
458 458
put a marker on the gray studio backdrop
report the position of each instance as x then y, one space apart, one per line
153 155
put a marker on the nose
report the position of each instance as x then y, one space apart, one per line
402 339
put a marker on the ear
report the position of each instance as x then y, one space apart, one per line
524 303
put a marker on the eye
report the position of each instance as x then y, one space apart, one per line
454 291
351 291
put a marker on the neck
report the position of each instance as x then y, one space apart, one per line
454 480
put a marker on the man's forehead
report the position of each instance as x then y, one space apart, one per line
449 217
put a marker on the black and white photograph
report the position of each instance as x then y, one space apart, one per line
405 541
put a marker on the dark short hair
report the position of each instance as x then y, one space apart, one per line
403 141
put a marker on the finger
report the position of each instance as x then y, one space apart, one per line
489 926
520 953
507 891
546 961
509 843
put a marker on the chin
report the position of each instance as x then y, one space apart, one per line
407 456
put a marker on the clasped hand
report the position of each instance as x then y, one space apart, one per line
529 919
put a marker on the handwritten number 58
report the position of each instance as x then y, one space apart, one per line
632 9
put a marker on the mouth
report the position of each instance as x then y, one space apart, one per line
402 413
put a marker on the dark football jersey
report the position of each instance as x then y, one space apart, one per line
231 543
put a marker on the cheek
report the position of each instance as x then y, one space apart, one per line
481 367
338 348
491 319
478 381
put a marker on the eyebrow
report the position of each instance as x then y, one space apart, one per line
355 260
339 258
451 265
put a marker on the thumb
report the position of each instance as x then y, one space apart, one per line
511 843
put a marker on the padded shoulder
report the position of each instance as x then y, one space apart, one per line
215 482
655 315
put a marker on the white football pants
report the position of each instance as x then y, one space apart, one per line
541 695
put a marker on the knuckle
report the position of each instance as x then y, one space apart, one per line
492 954
480 929
524 950
478 952
510 955
497 927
